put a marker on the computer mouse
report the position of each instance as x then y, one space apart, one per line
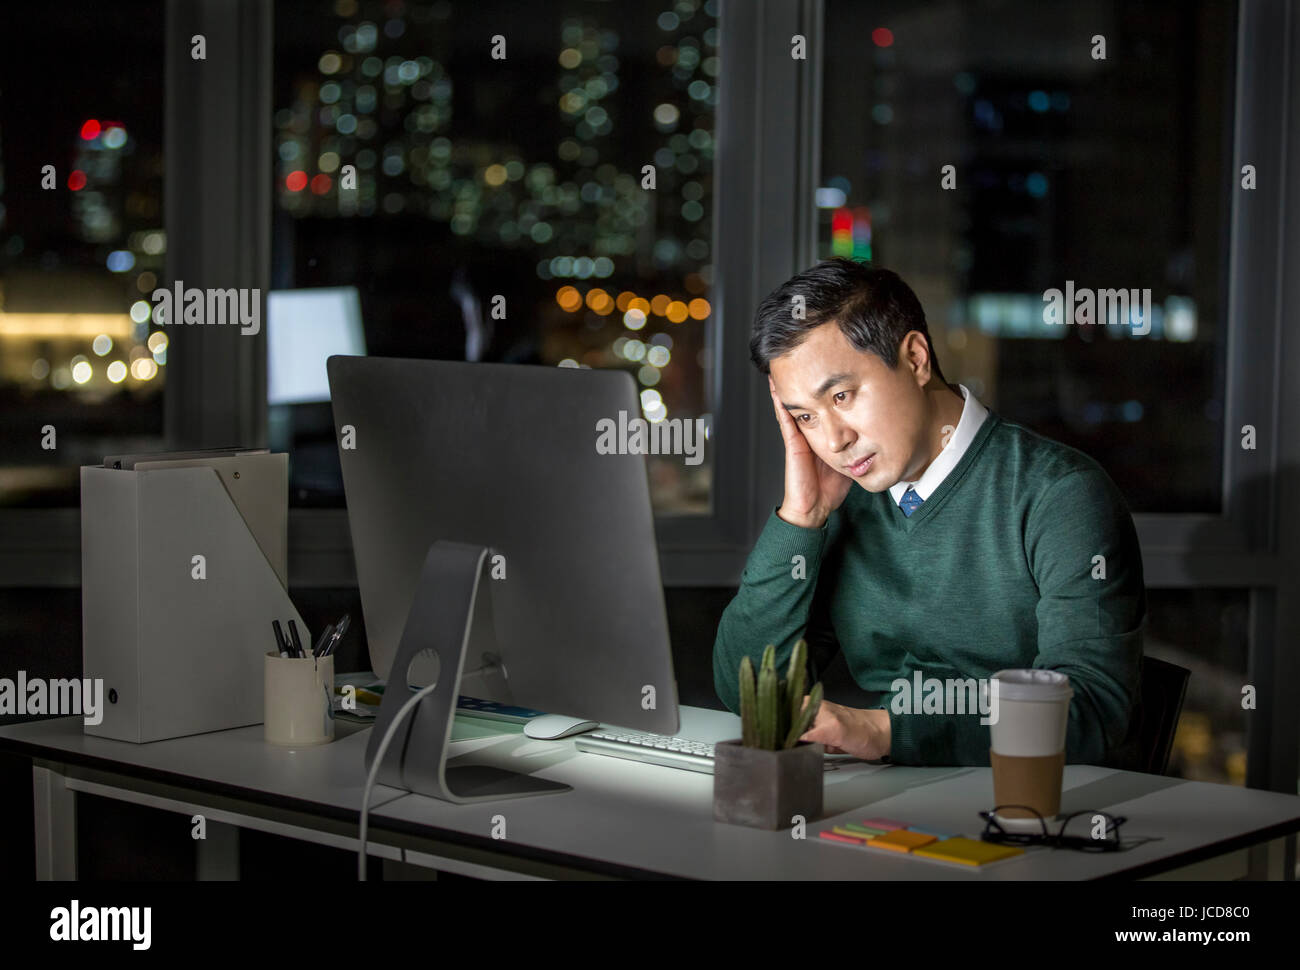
548 727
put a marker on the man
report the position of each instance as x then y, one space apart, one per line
970 545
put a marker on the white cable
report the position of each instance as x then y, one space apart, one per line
374 770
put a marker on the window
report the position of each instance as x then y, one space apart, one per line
82 243
479 173
1067 171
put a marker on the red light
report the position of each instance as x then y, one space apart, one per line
882 37
77 180
321 184
842 221
296 182
90 130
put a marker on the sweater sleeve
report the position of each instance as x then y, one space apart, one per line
1090 617
773 603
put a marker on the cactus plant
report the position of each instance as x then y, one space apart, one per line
767 706
772 713
748 705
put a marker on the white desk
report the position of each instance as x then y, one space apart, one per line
623 819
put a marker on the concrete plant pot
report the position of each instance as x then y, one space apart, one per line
765 789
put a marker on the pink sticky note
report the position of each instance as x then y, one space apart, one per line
841 838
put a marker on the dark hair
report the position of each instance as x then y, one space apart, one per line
874 308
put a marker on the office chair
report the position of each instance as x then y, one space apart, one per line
1150 737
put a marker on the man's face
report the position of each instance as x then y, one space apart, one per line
850 406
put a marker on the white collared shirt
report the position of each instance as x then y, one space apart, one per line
972 416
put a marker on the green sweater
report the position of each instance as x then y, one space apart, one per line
995 570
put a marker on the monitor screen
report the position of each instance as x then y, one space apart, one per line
303 328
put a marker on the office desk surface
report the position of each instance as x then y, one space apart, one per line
628 819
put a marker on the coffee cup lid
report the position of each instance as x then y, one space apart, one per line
1033 685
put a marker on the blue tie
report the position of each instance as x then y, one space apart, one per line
910 502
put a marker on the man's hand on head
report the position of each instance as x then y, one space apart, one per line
813 489
850 730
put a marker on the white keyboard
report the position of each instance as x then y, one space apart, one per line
655 749
662 749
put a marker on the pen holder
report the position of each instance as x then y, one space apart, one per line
299 700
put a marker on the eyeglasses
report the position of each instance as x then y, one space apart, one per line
1082 837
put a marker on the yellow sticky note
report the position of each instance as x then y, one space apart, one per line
969 852
901 840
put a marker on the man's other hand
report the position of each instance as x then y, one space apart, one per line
850 730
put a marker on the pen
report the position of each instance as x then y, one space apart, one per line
338 634
320 643
279 638
297 644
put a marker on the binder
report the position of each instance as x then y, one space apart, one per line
179 654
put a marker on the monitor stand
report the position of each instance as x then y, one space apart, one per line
451 608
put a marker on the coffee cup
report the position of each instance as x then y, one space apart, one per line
1027 743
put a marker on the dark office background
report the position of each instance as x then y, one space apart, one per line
1114 173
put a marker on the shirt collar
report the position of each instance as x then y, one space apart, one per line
972 416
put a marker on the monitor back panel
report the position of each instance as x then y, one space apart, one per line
505 456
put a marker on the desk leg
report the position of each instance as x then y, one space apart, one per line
395 871
1273 860
217 857
55 808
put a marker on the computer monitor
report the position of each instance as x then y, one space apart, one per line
505 456
303 328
